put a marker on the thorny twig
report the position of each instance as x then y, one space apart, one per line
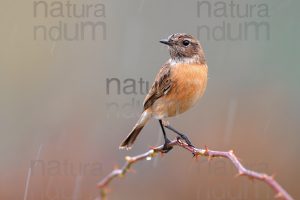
242 171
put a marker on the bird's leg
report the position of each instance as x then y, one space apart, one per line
166 147
181 135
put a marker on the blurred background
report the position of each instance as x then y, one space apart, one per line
74 75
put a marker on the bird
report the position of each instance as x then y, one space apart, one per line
179 84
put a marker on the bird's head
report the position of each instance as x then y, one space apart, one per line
183 45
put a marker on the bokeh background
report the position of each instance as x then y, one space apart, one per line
61 122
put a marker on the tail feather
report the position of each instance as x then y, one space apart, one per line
129 140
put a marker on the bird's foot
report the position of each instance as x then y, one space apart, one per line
186 139
166 148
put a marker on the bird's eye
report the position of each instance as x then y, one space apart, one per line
185 42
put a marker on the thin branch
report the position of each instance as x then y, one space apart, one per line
242 171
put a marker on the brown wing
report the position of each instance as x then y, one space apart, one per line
160 87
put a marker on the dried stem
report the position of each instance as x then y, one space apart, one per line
242 171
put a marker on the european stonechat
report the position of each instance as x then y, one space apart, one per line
177 87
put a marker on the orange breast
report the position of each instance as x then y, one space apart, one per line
188 85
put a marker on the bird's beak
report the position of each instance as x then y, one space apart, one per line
166 41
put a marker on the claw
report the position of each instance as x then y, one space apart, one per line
166 148
187 141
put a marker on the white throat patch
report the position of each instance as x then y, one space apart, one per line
192 60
